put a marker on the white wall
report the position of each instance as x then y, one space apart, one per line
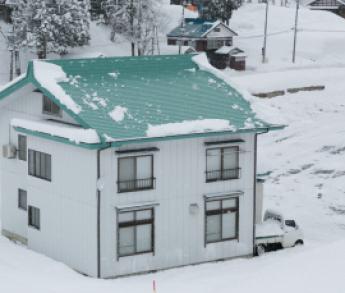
179 236
223 33
67 204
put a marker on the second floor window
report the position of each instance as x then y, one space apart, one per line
222 164
40 165
135 173
50 108
22 147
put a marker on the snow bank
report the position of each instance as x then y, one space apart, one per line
118 114
49 75
267 114
187 127
72 133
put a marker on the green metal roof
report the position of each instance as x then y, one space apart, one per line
196 28
155 90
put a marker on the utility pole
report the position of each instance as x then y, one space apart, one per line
264 48
295 33
182 29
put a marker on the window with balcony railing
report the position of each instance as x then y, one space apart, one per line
222 164
135 173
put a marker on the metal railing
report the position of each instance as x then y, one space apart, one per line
136 185
225 174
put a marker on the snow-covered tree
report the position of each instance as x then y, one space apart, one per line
221 9
51 25
136 20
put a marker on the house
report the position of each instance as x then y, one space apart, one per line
117 166
229 56
336 6
203 35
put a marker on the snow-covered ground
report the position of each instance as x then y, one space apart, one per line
304 167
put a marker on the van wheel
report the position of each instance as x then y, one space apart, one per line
299 242
260 250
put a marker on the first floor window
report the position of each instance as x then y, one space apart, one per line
22 199
40 165
135 173
222 219
34 217
135 232
222 163
22 147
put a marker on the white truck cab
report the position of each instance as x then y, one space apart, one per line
275 232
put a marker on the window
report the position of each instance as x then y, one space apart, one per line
34 217
217 30
22 199
222 164
135 232
50 108
40 165
22 148
135 173
221 220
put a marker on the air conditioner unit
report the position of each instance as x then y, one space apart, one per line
9 151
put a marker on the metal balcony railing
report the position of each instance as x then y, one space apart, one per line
136 185
226 174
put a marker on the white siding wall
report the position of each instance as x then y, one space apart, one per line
179 236
223 33
67 204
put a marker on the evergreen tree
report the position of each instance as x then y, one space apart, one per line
51 26
220 9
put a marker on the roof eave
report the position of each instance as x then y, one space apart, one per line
140 140
59 139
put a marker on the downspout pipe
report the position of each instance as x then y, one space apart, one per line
254 191
99 193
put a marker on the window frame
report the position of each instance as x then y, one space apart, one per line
135 223
136 189
222 170
20 193
45 100
22 153
221 212
32 170
31 224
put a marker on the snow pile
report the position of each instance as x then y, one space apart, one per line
187 127
49 76
263 112
118 114
72 133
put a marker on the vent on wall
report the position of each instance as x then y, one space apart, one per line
9 151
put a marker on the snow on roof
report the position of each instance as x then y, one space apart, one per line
72 133
269 228
118 114
262 111
187 127
13 82
49 76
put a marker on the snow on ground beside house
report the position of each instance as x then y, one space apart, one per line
320 39
72 133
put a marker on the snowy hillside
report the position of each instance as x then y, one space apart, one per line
304 166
